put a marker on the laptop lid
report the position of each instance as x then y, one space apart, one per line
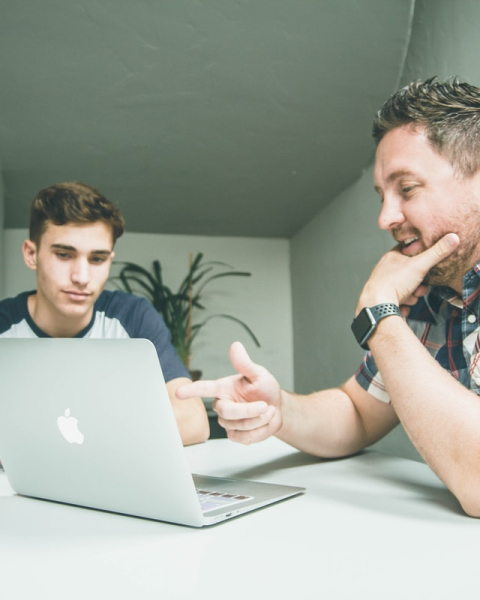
89 422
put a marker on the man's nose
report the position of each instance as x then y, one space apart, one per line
391 215
81 272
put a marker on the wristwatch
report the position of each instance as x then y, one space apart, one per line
366 321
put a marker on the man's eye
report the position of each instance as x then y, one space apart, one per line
98 260
62 255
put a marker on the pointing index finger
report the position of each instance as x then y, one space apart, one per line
201 388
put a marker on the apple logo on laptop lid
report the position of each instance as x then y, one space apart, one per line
69 428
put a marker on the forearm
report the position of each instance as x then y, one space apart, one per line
192 421
332 423
324 423
441 417
190 414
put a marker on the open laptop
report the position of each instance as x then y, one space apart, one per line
89 422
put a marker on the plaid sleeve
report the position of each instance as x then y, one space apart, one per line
370 379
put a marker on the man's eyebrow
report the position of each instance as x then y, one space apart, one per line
105 252
73 249
63 247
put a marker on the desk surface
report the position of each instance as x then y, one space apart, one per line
372 526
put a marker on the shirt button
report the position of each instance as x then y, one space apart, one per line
477 381
471 319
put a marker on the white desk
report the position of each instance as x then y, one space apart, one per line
368 527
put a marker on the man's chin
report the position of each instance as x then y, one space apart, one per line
434 279
73 310
443 274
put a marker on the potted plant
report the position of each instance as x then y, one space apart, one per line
176 308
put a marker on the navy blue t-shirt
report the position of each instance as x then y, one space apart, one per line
116 315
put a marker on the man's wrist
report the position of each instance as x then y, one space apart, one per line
366 321
368 301
284 409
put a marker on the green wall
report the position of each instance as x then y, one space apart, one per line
445 41
2 215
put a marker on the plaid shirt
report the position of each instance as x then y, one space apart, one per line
448 326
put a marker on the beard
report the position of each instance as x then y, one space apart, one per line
454 267
450 271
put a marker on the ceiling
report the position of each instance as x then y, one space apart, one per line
208 117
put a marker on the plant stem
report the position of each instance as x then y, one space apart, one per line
188 334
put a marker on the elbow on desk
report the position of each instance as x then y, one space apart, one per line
204 433
469 499
199 433
463 480
471 509
194 425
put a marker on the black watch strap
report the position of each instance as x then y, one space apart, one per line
384 310
367 319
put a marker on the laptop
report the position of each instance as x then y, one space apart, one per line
89 422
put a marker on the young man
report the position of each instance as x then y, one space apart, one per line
73 230
422 331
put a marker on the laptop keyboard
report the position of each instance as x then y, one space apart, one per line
213 500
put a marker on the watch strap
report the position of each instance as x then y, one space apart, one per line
385 310
367 320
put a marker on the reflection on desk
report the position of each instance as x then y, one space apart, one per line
371 526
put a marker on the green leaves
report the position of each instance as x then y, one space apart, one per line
176 308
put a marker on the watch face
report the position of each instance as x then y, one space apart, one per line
362 327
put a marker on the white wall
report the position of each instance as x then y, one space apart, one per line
334 254
262 301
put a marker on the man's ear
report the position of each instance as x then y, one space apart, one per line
29 250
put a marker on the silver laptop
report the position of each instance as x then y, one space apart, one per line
89 422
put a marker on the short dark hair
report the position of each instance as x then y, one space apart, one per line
450 113
72 202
